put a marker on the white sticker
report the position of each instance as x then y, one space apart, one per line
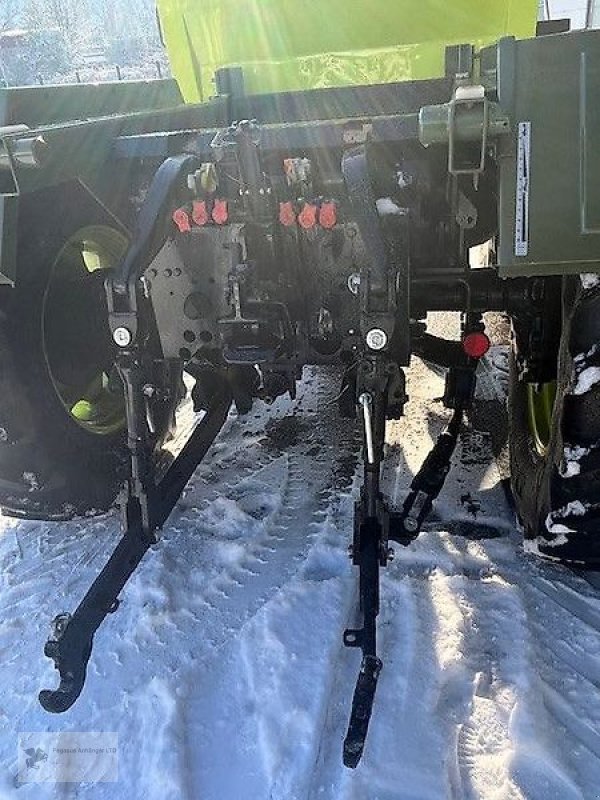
68 757
523 179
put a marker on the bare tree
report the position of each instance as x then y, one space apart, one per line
70 17
8 15
134 19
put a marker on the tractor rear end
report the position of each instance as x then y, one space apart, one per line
242 238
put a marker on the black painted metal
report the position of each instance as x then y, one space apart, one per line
286 138
153 220
375 525
70 646
146 503
389 297
344 102
369 551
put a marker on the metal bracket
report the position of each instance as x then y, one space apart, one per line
71 639
469 99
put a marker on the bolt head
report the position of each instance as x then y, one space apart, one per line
354 283
376 339
122 336
411 524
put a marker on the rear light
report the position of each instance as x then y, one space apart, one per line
476 344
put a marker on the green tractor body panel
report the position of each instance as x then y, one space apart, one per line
51 105
532 100
549 209
283 45
38 106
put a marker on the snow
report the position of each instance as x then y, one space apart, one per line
573 509
571 461
496 366
31 480
386 207
223 672
589 280
587 378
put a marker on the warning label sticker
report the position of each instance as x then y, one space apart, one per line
523 178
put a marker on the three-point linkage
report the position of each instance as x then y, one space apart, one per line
369 552
146 504
375 524
147 499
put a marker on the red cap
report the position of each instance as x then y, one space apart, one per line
199 212
287 215
307 218
181 218
328 215
476 344
220 212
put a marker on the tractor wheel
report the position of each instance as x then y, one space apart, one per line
62 420
554 437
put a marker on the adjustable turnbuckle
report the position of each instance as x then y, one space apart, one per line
369 552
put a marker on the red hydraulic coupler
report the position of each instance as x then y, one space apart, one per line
328 215
181 218
200 213
220 212
307 218
287 214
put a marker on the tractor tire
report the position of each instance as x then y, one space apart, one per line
62 421
554 437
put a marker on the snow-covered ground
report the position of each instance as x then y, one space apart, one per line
223 672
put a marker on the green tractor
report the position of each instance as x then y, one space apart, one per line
318 193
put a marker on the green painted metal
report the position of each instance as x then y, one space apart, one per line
550 166
87 144
540 405
96 405
434 123
284 45
49 105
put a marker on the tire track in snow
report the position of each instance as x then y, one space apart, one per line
63 558
488 655
483 742
422 630
121 659
570 601
567 645
302 485
404 665
470 692
254 658
46 568
299 554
